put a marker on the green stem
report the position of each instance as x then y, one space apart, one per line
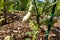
5 10
50 21
37 16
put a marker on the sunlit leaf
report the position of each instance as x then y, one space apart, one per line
1 4
29 33
24 2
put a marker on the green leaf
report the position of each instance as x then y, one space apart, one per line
24 2
10 8
29 33
1 4
40 10
2 19
27 39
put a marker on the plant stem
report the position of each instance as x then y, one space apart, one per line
37 16
50 21
5 10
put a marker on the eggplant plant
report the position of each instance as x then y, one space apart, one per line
35 26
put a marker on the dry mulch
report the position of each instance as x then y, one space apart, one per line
17 29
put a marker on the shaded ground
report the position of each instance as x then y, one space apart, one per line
17 29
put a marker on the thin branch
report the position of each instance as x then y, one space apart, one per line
45 6
51 5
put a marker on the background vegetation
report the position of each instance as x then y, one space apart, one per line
41 9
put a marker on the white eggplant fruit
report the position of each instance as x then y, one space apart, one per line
27 16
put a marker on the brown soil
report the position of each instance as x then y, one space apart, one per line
17 29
